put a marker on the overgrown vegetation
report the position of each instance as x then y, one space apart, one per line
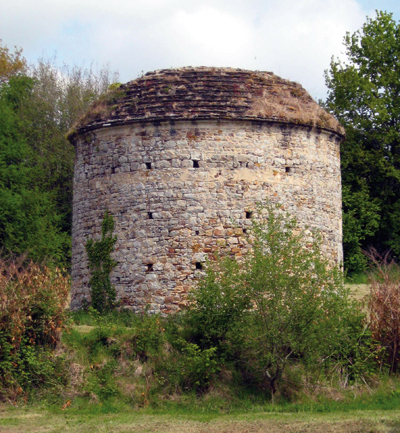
384 308
283 308
103 294
293 104
33 314
277 326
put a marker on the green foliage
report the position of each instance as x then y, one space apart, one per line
143 333
220 302
91 317
299 300
364 94
114 86
100 348
101 382
361 217
103 294
61 95
355 352
32 315
38 105
179 376
115 349
148 338
197 366
283 305
28 220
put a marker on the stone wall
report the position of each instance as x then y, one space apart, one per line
180 191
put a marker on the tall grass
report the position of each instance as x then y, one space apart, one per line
384 307
33 314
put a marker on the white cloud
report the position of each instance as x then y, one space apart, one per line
300 48
293 38
210 36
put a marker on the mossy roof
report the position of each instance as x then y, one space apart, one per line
201 93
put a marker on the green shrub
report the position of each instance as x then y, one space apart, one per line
148 337
220 301
197 366
282 305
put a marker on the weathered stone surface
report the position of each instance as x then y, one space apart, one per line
206 93
182 190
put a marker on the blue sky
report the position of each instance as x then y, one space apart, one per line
392 6
292 38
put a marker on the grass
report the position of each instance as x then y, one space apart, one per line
123 318
358 285
109 395
358 291
38 419
214 412
361 278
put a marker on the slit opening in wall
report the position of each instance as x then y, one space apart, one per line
199 266
195 164
149 267
288 169
148 165
197 232
150 215
249 214
244 231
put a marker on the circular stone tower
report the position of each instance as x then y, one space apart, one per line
180 158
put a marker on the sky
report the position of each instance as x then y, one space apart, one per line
295 39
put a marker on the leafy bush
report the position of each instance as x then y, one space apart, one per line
197 366
32 315
284 303
300 299
148 337
187 367
101 382
220 301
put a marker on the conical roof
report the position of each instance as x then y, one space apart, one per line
200 93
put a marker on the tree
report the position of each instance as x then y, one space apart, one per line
28 220
11 63
281 305
364 94
38 105
29 223
60 96
298 297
